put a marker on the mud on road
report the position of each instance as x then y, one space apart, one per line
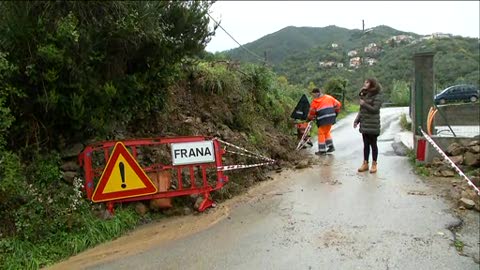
326 216
160 232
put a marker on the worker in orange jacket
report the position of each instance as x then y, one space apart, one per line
324 109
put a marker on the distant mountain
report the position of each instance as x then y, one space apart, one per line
291 40
309 54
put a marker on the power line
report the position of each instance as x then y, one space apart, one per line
243 47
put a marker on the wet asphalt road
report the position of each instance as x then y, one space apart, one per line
325 217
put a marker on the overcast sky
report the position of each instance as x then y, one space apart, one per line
248 21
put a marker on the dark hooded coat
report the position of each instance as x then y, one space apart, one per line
369 114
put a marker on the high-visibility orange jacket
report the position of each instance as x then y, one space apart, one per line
324 110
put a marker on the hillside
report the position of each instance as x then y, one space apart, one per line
456 61
291 40
317 54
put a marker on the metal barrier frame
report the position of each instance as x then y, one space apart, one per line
85 161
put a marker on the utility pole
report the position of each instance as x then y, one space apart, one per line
362 62
363 65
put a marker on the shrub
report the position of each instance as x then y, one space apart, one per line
86 66
401 93
404 123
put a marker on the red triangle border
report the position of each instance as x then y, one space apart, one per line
99 196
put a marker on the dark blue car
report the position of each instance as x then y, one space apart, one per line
461 92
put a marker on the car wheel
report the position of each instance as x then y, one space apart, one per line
473 99
442 101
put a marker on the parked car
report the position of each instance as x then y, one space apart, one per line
461 92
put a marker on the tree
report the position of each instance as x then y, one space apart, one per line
282 80
6 118
400 93
391 42
336 87
84 66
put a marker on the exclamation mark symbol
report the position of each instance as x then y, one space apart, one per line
122 174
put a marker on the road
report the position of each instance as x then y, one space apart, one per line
324 217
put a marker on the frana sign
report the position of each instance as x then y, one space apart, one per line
192 153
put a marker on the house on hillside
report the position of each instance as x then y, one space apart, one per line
441 35
370 61
330 64
327 64
400 38
371 48
352 53
340 65
334 45
355 62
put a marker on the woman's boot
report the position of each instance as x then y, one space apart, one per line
373 169
364 167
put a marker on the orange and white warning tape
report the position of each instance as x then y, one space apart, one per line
251 154
235 167
246 155
245 150
439 150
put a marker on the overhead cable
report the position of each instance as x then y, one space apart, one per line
243 47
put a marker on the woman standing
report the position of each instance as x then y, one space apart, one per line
369 120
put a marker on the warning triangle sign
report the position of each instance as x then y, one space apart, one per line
122 178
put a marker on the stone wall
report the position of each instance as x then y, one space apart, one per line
444 143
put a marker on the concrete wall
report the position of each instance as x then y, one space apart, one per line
458 115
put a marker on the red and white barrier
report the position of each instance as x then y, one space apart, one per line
305 136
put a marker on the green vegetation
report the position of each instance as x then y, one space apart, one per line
22 254
77 67
336 87
459 245
400 94
69 72
347 109
420 169
49 219
252 90
404 123
296 53
72 72
289 41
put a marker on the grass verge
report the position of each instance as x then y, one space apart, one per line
23 254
